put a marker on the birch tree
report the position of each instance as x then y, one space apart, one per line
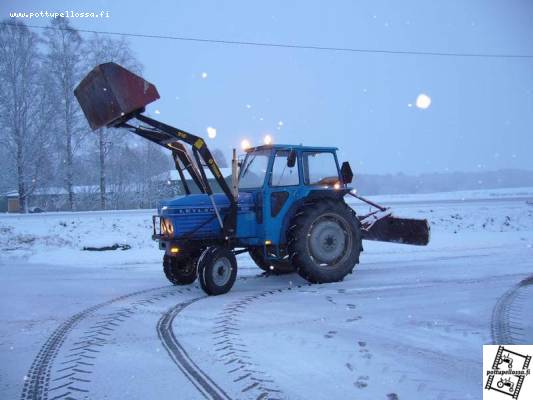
99 50
25 112
65 63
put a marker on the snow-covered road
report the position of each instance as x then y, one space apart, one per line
408 324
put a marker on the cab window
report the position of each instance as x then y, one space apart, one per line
283 175
253 170
320 168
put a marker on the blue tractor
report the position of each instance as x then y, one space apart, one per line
285 204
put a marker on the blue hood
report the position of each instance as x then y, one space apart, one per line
244 201
193 216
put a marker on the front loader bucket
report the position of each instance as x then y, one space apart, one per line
399 230
109 93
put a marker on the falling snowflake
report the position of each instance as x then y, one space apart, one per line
157 112
248 106
211 132
280 123
204 75
423 101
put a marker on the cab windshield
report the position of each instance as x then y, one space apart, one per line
253 169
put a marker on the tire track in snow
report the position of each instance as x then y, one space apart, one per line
511 306
254 383
76 370
199 378
38 380
203 383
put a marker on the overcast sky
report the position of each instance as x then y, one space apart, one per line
481 111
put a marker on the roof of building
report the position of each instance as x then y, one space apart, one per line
79 189
173 175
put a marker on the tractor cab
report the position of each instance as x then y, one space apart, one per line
280 178
290 166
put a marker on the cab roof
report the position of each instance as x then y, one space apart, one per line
290 147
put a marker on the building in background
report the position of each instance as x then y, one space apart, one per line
132 195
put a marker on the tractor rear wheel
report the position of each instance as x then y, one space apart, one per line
217 270
179 270
273 267
325 241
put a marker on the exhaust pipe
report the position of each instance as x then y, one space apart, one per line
235 175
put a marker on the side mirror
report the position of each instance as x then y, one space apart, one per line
291 159
346 173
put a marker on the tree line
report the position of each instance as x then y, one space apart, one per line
45 141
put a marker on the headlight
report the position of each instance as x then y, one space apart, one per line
166 227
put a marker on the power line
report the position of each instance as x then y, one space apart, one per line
289 46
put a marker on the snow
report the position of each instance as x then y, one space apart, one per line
211 132
464 195
409 323
58 238
423 101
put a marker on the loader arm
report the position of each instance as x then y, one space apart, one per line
171 138
179 153
111 95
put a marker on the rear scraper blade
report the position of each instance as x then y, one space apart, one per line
398 230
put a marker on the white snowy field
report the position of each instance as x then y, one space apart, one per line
408 324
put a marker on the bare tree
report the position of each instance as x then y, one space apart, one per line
64 62
25 112
100 50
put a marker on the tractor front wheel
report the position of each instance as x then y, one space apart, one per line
217 270
273 267
179 270
325 241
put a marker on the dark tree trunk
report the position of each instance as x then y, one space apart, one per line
102 151
69 168
23 203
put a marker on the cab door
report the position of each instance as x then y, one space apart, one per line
282 190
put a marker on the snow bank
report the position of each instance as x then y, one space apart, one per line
59 238
462 195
